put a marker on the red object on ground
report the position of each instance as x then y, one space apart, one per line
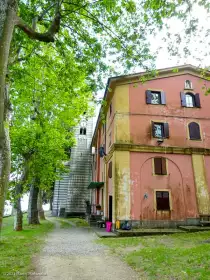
108 226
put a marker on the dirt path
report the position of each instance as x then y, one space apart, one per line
72 254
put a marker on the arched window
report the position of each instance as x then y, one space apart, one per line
83 126
110 170
194 131
188 84
190 100
82 131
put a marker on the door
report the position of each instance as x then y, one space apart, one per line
110 208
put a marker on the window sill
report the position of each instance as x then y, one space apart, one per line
153 174
157 104
191 107
197 140
166 211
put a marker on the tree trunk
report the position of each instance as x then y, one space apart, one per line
40 208
7 12
33 217
51 203
18 215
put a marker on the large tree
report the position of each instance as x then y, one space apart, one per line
47 104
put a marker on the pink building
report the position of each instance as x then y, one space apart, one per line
152 160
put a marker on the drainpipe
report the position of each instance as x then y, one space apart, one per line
58 196
98 171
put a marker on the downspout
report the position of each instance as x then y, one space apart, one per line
58 196
98 171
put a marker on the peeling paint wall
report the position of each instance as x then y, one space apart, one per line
121 121
207 168
122 186
201 184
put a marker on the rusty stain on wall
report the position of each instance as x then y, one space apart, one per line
201 184
122 185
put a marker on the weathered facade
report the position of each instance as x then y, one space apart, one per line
157 144
71 191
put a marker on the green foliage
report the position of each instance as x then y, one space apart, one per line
98 34
49 95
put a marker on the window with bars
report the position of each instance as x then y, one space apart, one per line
155 97
160 130
160 167
162 201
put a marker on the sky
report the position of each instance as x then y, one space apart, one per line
198 45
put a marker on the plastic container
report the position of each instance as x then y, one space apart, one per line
108 226
117 224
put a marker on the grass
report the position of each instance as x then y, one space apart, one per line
64 224
18 248
79 222
178 256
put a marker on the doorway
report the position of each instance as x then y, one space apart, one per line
110 208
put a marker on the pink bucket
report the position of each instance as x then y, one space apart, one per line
108 226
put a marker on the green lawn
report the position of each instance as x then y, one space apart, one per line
177 256
78 222
64 224
18 248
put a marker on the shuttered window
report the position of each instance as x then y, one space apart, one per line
160 130
190 100
194 131
110 170
162 201
155 97
160 166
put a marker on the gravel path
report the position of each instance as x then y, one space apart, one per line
72 254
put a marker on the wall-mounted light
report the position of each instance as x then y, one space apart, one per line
160 141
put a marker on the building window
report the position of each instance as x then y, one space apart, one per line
190 100
194 131
110 109
110 139
103 127
160 166
188 84
162 201
110 170
160 130
155 97
83 131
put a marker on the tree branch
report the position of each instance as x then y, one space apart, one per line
44 37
